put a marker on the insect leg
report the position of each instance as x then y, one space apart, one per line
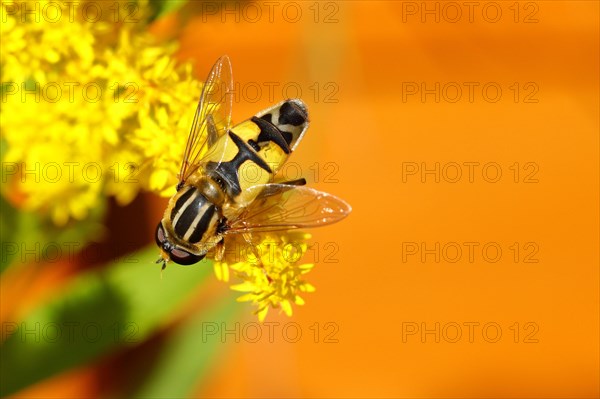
297 182
220 250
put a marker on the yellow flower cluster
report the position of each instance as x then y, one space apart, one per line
92 105
270 272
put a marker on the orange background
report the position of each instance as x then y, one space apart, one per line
371 292
376 289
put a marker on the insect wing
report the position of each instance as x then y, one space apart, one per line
284 207
212 119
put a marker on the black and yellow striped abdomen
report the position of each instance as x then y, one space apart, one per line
258 147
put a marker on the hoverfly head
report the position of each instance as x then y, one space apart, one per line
169 251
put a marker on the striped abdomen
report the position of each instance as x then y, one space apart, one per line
289 119
258 147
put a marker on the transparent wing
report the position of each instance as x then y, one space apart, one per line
212 119
284 206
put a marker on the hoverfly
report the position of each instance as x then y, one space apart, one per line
227 181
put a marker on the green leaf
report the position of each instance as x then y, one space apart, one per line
8 224
186 358
8 215
31 238
99 312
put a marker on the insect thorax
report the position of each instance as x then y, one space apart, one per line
193 216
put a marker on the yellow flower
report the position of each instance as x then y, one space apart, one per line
271 274
98 98
96 106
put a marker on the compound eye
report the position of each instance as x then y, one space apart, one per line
185 258
160 236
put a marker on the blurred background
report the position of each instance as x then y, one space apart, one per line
463 134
